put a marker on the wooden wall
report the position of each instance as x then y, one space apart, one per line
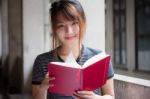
125 90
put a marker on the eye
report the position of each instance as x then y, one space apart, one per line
60 25
75 22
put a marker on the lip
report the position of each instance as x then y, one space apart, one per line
70 37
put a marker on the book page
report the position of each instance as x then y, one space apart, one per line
70 62
94 59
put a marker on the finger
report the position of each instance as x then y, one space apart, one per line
78 96
84 96
52 78
51 85
85 92
47 75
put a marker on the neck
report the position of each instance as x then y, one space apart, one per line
64 51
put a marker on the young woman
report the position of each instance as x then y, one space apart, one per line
68 29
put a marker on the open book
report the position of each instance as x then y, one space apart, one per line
71 77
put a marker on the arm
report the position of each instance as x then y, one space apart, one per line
40 91
107 91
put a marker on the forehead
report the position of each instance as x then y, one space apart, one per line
62 18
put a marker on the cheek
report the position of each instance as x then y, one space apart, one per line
60 31
76 29
59 35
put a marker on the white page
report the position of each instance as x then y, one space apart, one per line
95 59
70 62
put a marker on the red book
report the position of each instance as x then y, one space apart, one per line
72 77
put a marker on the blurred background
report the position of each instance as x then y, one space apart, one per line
119 27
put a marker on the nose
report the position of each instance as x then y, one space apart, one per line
69 30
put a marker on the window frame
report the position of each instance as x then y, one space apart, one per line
119 13
139 34
131 65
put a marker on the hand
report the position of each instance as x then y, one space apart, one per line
86 95
46 82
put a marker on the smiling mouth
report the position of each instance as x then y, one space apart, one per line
70 37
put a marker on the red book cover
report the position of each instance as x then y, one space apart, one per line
71 77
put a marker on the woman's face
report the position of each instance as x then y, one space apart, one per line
67 31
